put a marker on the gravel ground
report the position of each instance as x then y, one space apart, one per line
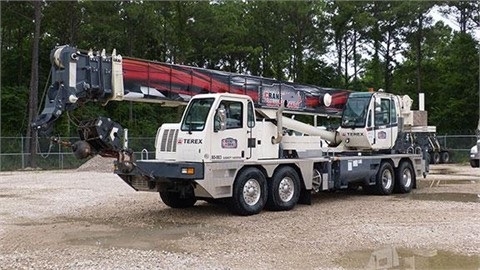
90 219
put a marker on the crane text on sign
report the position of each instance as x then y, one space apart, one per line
274 95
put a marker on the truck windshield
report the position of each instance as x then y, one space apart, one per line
355 112
196 115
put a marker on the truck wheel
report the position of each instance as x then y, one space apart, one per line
385 179
428 158
283 190
474 163
435 158
177 200
405 177
249 193
445 157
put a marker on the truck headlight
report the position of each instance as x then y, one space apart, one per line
474 150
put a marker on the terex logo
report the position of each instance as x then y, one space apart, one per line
190 141
355 133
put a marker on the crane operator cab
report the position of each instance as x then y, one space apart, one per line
370 121
214 127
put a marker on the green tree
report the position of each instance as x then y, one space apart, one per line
16 50
466 13
387 35
347 22
283 40
458 86
33 96
414 75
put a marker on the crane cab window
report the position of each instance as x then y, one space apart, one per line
355 112
234 113
393 112
385 112
196 115
250 115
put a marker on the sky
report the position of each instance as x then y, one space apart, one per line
450 20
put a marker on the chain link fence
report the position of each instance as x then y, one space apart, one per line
51 156
458 146
15 155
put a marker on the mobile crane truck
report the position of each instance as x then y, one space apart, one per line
235 142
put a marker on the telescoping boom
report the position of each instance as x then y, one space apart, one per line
84 76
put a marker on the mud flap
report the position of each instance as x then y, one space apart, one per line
305 197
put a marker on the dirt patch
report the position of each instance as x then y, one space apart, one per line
89 219
97 164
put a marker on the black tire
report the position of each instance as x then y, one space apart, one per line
404 178
283 190
176 199
435 158
385 180
249 193
445 157
474 163
428 158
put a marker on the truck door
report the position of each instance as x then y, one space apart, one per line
230 142
386 126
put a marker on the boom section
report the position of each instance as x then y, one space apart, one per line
80 76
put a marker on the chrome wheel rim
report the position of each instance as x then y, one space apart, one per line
407 177
251 192
286 189
387 179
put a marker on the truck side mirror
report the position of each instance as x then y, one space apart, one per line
220 120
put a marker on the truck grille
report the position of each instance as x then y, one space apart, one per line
140 184
169 140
